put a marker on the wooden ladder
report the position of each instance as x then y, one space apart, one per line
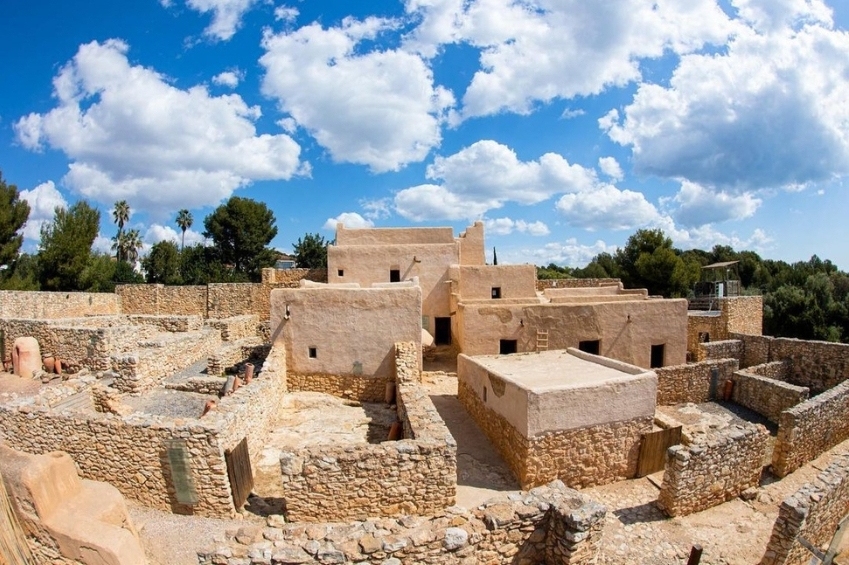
542 340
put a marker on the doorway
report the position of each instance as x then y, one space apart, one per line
442 327
507 346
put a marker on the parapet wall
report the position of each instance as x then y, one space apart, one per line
812 513
766 396
810 428
415 475
693 382
543 284
727 349
47 305
713 469
547 525
156 299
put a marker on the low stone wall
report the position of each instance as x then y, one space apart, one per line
157 299
712 469
48 305
609 452
678 384
144 368
230 355
818 365
171 323
543 284
416 475
810 428
727 349
292 278
200 385
547 525
813 513
777 370
768 397
235 328
362 388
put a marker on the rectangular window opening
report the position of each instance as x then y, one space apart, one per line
340 272
394 275
442 331
590 346
704 337
496 292
507 346
657 355
484 394
313 352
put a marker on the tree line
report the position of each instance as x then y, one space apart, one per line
806 299
237 233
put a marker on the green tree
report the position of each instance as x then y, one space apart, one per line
14 213
162 264
22 274
241 229
65 246
202 265
184 222
311 251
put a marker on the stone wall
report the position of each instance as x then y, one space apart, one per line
543 284
415 475
230 356
727 349
693 382
362 388
777 370
155 299
818 365
810 428
813 513
48 305
291 278
235 328
609 452
701 327
547 525
768 397
712 469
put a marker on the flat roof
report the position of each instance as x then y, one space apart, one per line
557 370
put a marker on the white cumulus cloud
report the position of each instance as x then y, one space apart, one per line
230 79
351 220
610 166
378 108
43 201
506 226
157 232
607 207
132 135
698 205
226 15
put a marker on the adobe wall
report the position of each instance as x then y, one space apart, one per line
627 330
515 281
818 365
609 451
692 382
543 284
550 524
47 305
391 236
471 243
416 475
766 396
712 469
810 428
353 330
370 265
813 512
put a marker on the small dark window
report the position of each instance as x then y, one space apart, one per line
442 335
590 346
496 292
484 394
704 337
507 346
394 275
340 272
313 353
657 355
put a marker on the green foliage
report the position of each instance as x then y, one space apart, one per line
241 229
202 265
14 213
184 222
66 246
311 251
162 264
127 244
648 261
22 274
553 271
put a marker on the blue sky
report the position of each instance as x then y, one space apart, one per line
564 125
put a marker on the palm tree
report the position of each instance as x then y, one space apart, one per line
120 214
184 221
127 245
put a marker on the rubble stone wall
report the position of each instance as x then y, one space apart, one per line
170 323
679 384
755 349
777 370
48 305
701 327
543 284
230 355
415 475
768 397
813 513
726 349
158 299
355 387
609 452
712 470
291 278
810 428
550 524
235 328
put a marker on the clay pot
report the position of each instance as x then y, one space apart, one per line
249 373
210 404
48 361
57 366
237 382
395 431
